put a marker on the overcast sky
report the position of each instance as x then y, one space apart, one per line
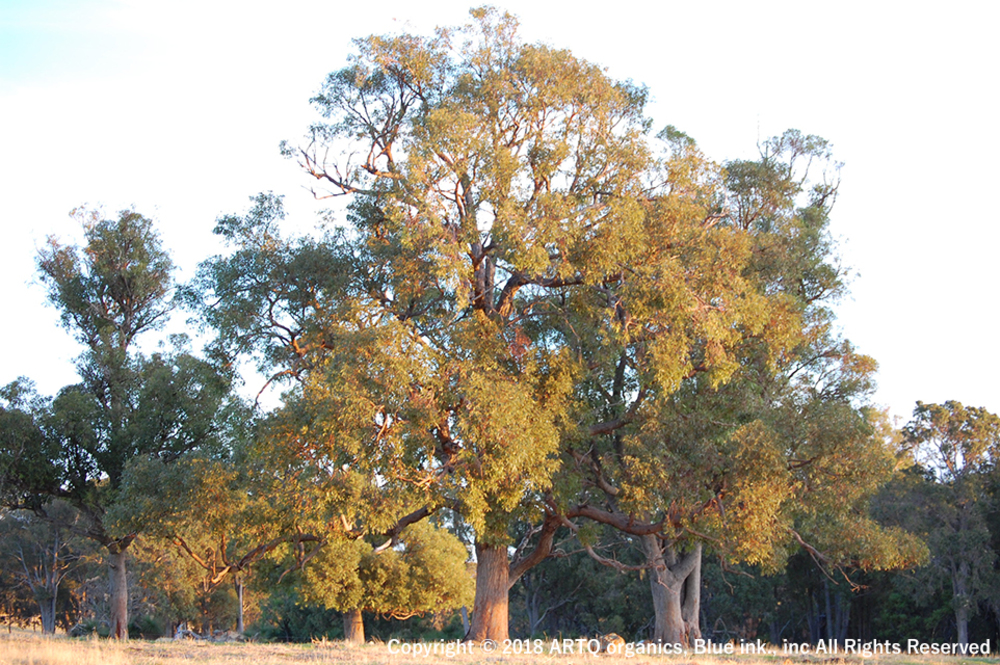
177 108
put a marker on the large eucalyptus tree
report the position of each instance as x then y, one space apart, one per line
513 227
786 451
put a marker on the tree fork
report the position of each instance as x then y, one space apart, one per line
675 582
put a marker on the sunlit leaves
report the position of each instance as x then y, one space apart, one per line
427 573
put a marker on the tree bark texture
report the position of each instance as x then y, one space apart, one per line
119 594
675 583
489 612
354 627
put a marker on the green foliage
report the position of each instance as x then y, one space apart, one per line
777 448
114 289
145 627
74 448
426 573
948 500
909 606
23 445
77 445
955 441
536 308
513 231
46 559
285 618
572 595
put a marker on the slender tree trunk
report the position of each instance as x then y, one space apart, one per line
489 613
676 619
691 605
531 605
119 594
239 601
842 610
813 620
354 627
960 598
829 609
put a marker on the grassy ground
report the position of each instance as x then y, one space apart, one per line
26 648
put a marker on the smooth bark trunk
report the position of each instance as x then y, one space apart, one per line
354 627
960 598
119 595
239 600
962 624
489 612
675 583
691 604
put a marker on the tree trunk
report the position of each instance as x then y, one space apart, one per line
676 603
465 619
489 613
962 623
829 610
354 627
119 594
691 604
239 601
47 608
960 598
842 611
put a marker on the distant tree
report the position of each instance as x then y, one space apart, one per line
41 554
958 447
77 446
573 594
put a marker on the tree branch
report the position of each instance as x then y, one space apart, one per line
541 551
620 521
392 535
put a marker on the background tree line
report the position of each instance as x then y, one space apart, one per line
546 350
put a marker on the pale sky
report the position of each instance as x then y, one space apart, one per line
177 108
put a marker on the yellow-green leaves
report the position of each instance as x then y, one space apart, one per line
426 573
531 279
754 493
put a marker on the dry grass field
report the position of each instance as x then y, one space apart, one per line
26 648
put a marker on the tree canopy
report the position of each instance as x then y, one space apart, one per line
529 279
128 405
